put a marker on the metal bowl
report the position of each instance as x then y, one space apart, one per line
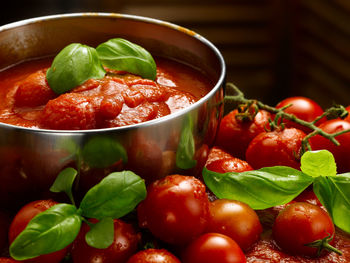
30 159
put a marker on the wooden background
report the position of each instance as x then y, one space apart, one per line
272 48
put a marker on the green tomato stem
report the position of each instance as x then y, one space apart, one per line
334 112
324 244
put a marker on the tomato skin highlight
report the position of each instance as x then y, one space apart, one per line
341 152
153 256
21 220
213 247
279 147
124 245
303 108
236 220
299 224
176 209
229 165
235 135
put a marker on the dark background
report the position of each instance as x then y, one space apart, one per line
272 48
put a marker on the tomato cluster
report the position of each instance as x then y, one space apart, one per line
183 222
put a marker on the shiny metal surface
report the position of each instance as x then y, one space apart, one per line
30 159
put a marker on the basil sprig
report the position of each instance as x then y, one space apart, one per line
74 65
271 186
121 54
261 189
49 231
57 227
115 196
77 63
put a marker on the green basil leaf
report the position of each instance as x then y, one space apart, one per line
115 196
334 193
64 182
123 55
101 152
186 147
260 189
47 232
101 234
74 65
318 163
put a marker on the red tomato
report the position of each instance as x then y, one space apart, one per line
236 220
176 209
234 134
21 220
341 152
279 147
308 196
153 256
124 245
304 109
299 224
213 247
8 260
229 165
348 117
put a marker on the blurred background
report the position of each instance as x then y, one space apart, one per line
272 48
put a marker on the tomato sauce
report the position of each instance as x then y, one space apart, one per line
119 99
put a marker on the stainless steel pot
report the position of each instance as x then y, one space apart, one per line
30 159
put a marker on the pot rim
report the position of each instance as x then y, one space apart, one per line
174 115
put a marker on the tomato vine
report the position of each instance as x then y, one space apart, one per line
337 111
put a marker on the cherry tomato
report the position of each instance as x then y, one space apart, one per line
347 117
153 256
236 220
176 209
341 152
308 196
279 147
213 247
234 134
8 260
303 108
300 224
229 165
21 220
124 245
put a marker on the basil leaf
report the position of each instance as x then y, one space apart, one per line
47 232
318 163
186 148
64 182
334 193
260 189
74 65
121 54
115 196
101 152
101 234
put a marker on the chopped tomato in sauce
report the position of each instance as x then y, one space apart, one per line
119 99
